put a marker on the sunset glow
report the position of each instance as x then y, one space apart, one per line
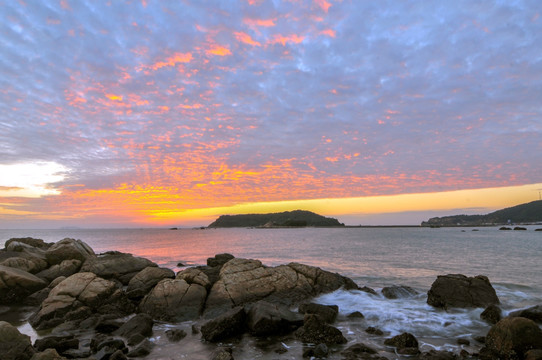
153 114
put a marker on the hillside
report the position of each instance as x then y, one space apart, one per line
520 214
283 219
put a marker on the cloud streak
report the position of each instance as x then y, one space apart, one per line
167 107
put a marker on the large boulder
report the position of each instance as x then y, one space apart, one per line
13 344
122 267
13 243
77 297
328 313
17 284
534 313
195 276
458 290
243 281
174 300
146 279
65 268
229 324
316 331
398 292
405 343
511 338
264 318
140 325
68 249
24 256
24 264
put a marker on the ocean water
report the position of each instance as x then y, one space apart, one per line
374 257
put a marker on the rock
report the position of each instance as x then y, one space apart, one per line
374 331
535 354
118 355
511 338
107 348
139 324
23 264
520 228
223 354
33 242
47 354
219 259
355 315
68 249
358 351
122 267
231 323
438 355
368 290
398 292
175 335
505 228
321 350
77 297
460 291
195 276
492 314
328 313
106 326
174 300
405 343
13 344
244 281
59 343
534 313
146 279
462 341
65 268
316 331
17 284
264 318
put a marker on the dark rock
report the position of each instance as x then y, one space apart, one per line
48 354
118 355
175 335
143 349
535 354
405 343
398 292
223 354
505 228
374 331
355 315
77 297
281 349
328 313
534 313
462 341
437 355
107 326
35 299
174 300
264 318
511 338
68 249
321 350
146 279
460 291
316 331
17 284
59 343
520 228
492 314
195 330
33 242
65 268
135 339
480 339
219 259
368 290
358 351
231 323
119 266
97 340
13 344
139 324
112 345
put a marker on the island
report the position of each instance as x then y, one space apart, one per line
296 218
528 213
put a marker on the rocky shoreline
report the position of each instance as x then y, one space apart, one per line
104 306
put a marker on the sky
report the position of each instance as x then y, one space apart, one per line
157 113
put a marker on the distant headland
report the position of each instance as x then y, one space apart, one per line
296 218
528 213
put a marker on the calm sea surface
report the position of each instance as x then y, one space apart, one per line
374 257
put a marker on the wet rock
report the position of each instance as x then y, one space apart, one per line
17 284
492 314
118 355
438 355
535 354
13 344
68 249
358 351
374 331
264 318
462 341
174 300
321 350
316 331
511 338
368 290
143 349
223 354
534 313
146 279
521 228
77 297
139 324
405 344
65 268
458 290
47 354
122 267
175 335
231 323
398 292
328 313
355 315
195 276
219 259
59 343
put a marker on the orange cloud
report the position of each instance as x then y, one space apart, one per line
177 58
328 32
218 50
259 22
114 97
245 38
281 39
323 4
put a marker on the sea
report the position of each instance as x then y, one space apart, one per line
374 257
